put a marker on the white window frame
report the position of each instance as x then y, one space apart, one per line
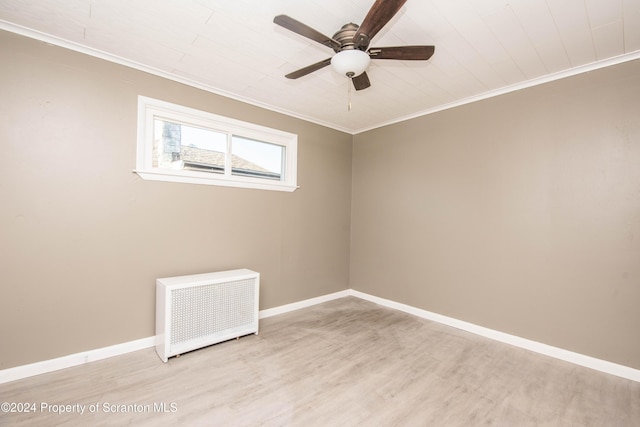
149 109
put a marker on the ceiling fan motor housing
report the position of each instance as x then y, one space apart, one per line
345 37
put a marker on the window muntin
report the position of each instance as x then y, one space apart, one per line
180 144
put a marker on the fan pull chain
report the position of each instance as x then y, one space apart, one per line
350 84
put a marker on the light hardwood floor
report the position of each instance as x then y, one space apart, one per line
346 362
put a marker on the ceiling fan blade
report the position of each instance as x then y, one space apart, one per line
361 82
306 31
380 13
411 53
308 69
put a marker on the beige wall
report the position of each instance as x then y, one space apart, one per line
83 238
520 213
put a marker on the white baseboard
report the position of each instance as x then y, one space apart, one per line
32 369
558 353
302 304
25 371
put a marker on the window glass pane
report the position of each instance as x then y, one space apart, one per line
179 146
256 159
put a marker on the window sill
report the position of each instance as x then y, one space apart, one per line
221 180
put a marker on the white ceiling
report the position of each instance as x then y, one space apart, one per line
483 48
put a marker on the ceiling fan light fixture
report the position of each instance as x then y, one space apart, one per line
350 63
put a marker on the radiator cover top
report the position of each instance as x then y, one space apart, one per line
203 309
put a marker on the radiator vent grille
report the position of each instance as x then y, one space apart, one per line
205 310
200 310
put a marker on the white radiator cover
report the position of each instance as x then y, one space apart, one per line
203 309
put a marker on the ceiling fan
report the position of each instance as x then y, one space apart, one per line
351 44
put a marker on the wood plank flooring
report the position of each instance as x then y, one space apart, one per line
346 362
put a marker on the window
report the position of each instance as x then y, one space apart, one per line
180 144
